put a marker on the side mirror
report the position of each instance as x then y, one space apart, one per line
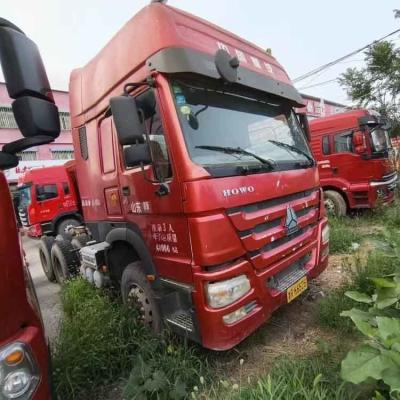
137 154
304 125
126 120
358 142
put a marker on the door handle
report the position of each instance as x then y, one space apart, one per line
126 191
334 170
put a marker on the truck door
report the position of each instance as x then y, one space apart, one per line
344 162
324 163
157 209
48 201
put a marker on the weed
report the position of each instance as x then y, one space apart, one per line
291 379
342 235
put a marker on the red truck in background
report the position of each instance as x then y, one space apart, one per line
48 201
355 160
24 356
198 188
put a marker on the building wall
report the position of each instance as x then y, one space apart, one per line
46 155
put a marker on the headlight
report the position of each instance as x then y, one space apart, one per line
220 294
325 234
19 376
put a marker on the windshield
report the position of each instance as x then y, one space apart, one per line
223 129
380 140
25 195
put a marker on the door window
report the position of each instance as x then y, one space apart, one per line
147 106
46 192
344 142
326 147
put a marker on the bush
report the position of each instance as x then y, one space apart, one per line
100 341
342 235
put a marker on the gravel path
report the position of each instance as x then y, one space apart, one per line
47 292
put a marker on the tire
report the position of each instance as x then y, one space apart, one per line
63 225
65 261
63 236
136 290
45 244
335 204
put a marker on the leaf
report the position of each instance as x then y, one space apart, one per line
383 282
364 363
388 327
358 296
391 377
157 382
362 320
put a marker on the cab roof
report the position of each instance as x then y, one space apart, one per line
156 27
337 122
42 174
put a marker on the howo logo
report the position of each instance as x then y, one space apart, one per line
238 190
291 221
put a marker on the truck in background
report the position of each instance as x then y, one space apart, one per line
48 200
355 160
24 355
198 188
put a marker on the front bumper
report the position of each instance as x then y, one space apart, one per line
214 332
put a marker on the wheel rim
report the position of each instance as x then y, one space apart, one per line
139 299
330 207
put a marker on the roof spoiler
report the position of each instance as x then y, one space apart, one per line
27 83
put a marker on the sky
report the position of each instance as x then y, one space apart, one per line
302 34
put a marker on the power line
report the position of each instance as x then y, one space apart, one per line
318 84
330 64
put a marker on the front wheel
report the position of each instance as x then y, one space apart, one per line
335 204
136 291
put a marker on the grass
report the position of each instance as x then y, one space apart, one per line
101 341
342 235
313 378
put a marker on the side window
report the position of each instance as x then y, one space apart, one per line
149 111
326 147
46 192
344 142
65 188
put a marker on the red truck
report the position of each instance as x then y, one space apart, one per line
48 201
198 188
355 160
24 356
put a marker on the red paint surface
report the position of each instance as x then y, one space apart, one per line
354 173
47 210
19 310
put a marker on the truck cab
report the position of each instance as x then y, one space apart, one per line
47 201
195 177
355 160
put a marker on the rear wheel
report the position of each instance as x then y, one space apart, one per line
137 292
65 261
66 224
45 244
335 204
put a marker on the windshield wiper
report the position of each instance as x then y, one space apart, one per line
238 150
295 149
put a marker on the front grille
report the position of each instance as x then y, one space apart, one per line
182 320
23 217
261 226
286 278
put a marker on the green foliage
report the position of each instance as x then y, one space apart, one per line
100 341
379 356
342 235
313 378
164 371
377 85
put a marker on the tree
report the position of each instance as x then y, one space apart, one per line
377 85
